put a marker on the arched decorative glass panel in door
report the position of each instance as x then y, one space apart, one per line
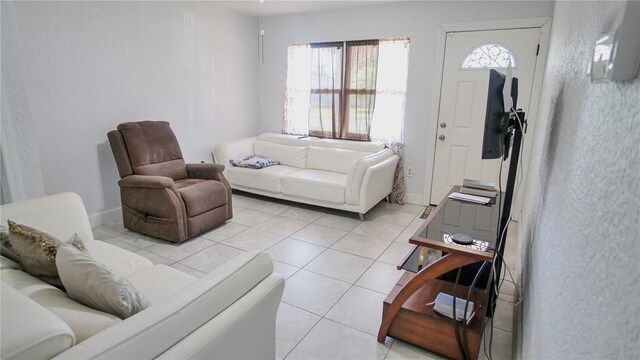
489 56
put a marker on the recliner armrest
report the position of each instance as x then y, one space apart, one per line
205 171
147 181
211 172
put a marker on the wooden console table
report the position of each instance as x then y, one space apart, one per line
405 315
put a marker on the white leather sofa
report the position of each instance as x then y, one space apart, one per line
339 174
228 314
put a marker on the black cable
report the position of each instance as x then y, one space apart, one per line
466 305
455 320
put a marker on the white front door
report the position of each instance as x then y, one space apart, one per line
463 101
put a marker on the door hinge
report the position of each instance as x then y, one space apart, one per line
538 50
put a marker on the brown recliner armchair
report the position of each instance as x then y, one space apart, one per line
161 195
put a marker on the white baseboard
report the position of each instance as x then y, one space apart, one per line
105 217
411 198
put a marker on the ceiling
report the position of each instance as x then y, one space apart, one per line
278 7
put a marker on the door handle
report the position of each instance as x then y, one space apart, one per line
443 125
441 137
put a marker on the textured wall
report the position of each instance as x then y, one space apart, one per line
418 20
72 71
581 223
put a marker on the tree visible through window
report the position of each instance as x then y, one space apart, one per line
349 90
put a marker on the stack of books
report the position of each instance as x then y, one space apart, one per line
476 191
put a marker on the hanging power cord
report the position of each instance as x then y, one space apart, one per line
461 337
502 234
462 350
466 306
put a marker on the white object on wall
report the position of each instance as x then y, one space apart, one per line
616 55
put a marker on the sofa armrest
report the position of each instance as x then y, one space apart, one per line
147 182
377 183
29 331
357 172
232 149
188 314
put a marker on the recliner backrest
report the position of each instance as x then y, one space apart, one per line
147 148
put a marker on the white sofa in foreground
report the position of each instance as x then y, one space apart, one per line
339 174
227 314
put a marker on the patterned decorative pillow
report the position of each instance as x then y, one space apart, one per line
254 162
6 249
36 251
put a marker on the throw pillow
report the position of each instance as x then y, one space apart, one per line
254 162
94 285
36 250
6 249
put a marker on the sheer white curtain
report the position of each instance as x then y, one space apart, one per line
391 90
298 91
388 118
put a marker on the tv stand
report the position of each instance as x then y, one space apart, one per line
406 315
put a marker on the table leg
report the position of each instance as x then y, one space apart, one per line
444 264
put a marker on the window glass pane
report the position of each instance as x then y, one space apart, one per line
363 61
489 56
326 68
322 109
360 109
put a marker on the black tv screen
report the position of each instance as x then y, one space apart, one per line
494 123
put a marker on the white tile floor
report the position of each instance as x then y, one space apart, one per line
338 272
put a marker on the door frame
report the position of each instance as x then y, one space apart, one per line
544 23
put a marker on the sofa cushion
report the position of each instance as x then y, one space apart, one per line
84 321
159 281
29 331
364 146
203 196
332 159
93 284
267 179
315 184
286 154
291 140
45 214
117 259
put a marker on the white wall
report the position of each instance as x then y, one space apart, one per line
72 71
581 222
417 20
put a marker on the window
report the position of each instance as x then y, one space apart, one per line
349 90
489 56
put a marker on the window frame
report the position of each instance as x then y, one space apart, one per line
312 90
341 129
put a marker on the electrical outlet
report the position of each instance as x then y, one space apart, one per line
410 171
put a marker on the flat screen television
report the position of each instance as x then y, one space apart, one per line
495 142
